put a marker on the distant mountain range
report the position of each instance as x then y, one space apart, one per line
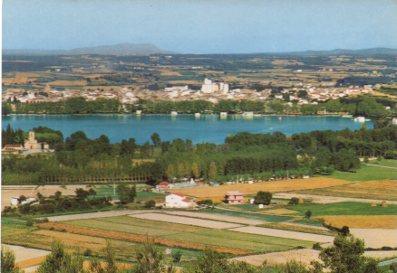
126 49
117 49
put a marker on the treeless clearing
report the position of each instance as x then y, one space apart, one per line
169 72
362 221
136 238
379 189
285 234
217 193
185 220
376 237
92 215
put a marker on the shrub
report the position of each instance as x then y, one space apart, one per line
263 197
308 214
294 201
87 252
317 246
29 222
207 202
150 204
176 256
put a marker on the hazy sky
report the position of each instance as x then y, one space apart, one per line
201 26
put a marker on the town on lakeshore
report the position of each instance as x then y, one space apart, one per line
199 136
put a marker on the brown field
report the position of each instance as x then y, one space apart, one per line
20 78
217 193
362 221
68 83
217 217
135 238
30 191
169 72
304 256
379 189
376 237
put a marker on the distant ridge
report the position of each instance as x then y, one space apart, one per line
125 49
117 49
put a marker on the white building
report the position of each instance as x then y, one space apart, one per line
209 87
394 121
174 200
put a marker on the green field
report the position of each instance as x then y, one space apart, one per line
344 208
211 237
141 196
375 170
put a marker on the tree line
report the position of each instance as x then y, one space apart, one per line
367 106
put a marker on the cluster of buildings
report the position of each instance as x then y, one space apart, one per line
210 90
30 146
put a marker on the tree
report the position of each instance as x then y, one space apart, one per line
59 261
109 263
196 170
308 214
347 256
126 193
263 197
212 170
156 140
149 259
8 262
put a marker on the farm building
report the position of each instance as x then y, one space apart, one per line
174 200
234 197
163 186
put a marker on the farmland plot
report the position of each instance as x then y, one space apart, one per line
186 220
217 217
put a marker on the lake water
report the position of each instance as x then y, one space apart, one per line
207 128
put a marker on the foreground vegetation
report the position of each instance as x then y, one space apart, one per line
345 256
245 156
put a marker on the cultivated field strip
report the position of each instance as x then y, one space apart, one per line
185 220
376 237
285 234
217 217
92 215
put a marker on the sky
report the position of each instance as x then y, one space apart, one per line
201 26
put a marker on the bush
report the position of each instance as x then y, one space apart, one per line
317 246
29 222
308 214
176 256
150 204
263 197
87 252
345 230
207 202
294 201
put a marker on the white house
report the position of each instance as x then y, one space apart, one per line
174 200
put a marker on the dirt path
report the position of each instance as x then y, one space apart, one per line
217 217
325 199
381 166
285 234
185 220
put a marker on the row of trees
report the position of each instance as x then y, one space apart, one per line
345 256
364 105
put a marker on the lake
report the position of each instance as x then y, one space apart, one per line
207 128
